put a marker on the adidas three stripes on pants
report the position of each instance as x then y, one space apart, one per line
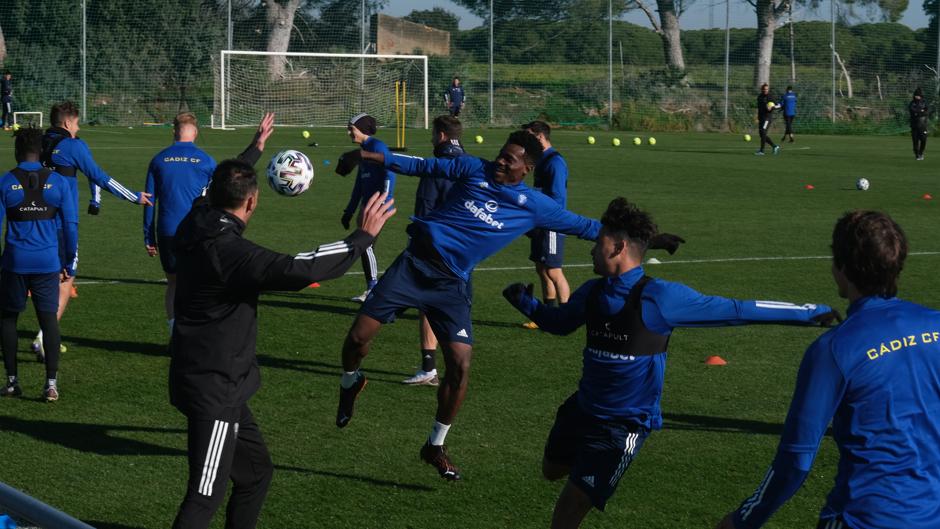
219 451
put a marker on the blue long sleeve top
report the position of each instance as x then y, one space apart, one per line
876 377
371 178
175 177
32 247
630 387
482 216
74 152
551 176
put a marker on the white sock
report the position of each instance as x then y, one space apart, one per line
50 382
348 379
38 336
170 323
11 380
438 433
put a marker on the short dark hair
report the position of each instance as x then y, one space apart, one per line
870 248
918 92
7 72
61 111
529 143
627 222
28 141
789 87
539 127
449 125
232 182
764 85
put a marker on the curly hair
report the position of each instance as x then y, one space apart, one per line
626 221
529 143
28 141
870 248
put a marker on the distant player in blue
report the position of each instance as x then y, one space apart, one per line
547 248
629 318
6 100
432 193
37 203
876 378
788 102
370 179
454 98
488 208
66 154
176 176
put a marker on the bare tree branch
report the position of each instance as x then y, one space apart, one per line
649 14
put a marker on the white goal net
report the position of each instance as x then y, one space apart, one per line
319 89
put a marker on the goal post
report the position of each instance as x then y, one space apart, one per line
317 89
30 118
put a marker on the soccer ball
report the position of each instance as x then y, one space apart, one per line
747 137
591 140
770 105
290 173
862 184
615 142
651 141
637 141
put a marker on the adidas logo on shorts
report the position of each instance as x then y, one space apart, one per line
589 480
462 333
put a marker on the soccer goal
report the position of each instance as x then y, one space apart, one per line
30 119
317 89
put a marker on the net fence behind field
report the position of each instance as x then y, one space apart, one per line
625 64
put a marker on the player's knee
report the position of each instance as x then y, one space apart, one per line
554 471
360 335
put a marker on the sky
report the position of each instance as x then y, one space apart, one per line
702 13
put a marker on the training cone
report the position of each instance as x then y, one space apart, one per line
927 196
715 360
810 186
313 285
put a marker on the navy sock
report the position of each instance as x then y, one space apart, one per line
427 360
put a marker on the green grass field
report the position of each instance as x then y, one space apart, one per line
112 450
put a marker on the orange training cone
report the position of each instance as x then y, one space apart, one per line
927 196
314 285
715 360
810 186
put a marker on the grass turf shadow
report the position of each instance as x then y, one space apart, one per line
91 438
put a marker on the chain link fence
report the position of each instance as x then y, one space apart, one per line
588 63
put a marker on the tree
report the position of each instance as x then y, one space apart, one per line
668 31
3 48
280 18
438 18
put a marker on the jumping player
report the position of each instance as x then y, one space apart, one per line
37 203
431 194
765 116
66 154
629 318
488 207
176 176
370 179
876 379
547 248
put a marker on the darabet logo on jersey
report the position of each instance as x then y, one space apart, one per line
481 213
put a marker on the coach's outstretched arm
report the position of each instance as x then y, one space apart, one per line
257 267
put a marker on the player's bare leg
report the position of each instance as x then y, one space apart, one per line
557 278
355 348
548 286
450 396
571 508
426 375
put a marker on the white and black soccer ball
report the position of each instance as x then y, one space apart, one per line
290 173
862 184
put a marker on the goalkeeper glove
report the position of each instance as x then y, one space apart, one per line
345 220
520 296
94 208
665 241
348 161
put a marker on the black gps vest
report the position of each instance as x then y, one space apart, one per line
49 143
33 206
623 333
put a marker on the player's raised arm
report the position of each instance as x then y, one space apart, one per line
561 320
252 153
452 169
86 164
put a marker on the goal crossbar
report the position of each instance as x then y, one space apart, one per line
16 116
226 54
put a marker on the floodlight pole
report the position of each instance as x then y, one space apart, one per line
937 72
229 36
727 58
832 18
491 62
84 64
610 62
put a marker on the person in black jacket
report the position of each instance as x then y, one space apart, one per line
213 367
919 113
765 115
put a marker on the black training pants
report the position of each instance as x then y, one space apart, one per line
220 450
789 121
919 137
764 137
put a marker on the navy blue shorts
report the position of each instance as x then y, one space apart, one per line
166 249
63 257
547 248
598 451
44 289
412 282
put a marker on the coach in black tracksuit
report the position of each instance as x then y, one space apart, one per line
765 115
213 367
919 114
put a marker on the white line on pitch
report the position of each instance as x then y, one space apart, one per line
576 265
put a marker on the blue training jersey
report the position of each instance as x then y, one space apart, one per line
32 247
788 102
454 96
877 378
629 388
176 176
551 176
74 152
481 216
371 178
432 192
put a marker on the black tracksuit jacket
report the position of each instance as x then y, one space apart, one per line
213 367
